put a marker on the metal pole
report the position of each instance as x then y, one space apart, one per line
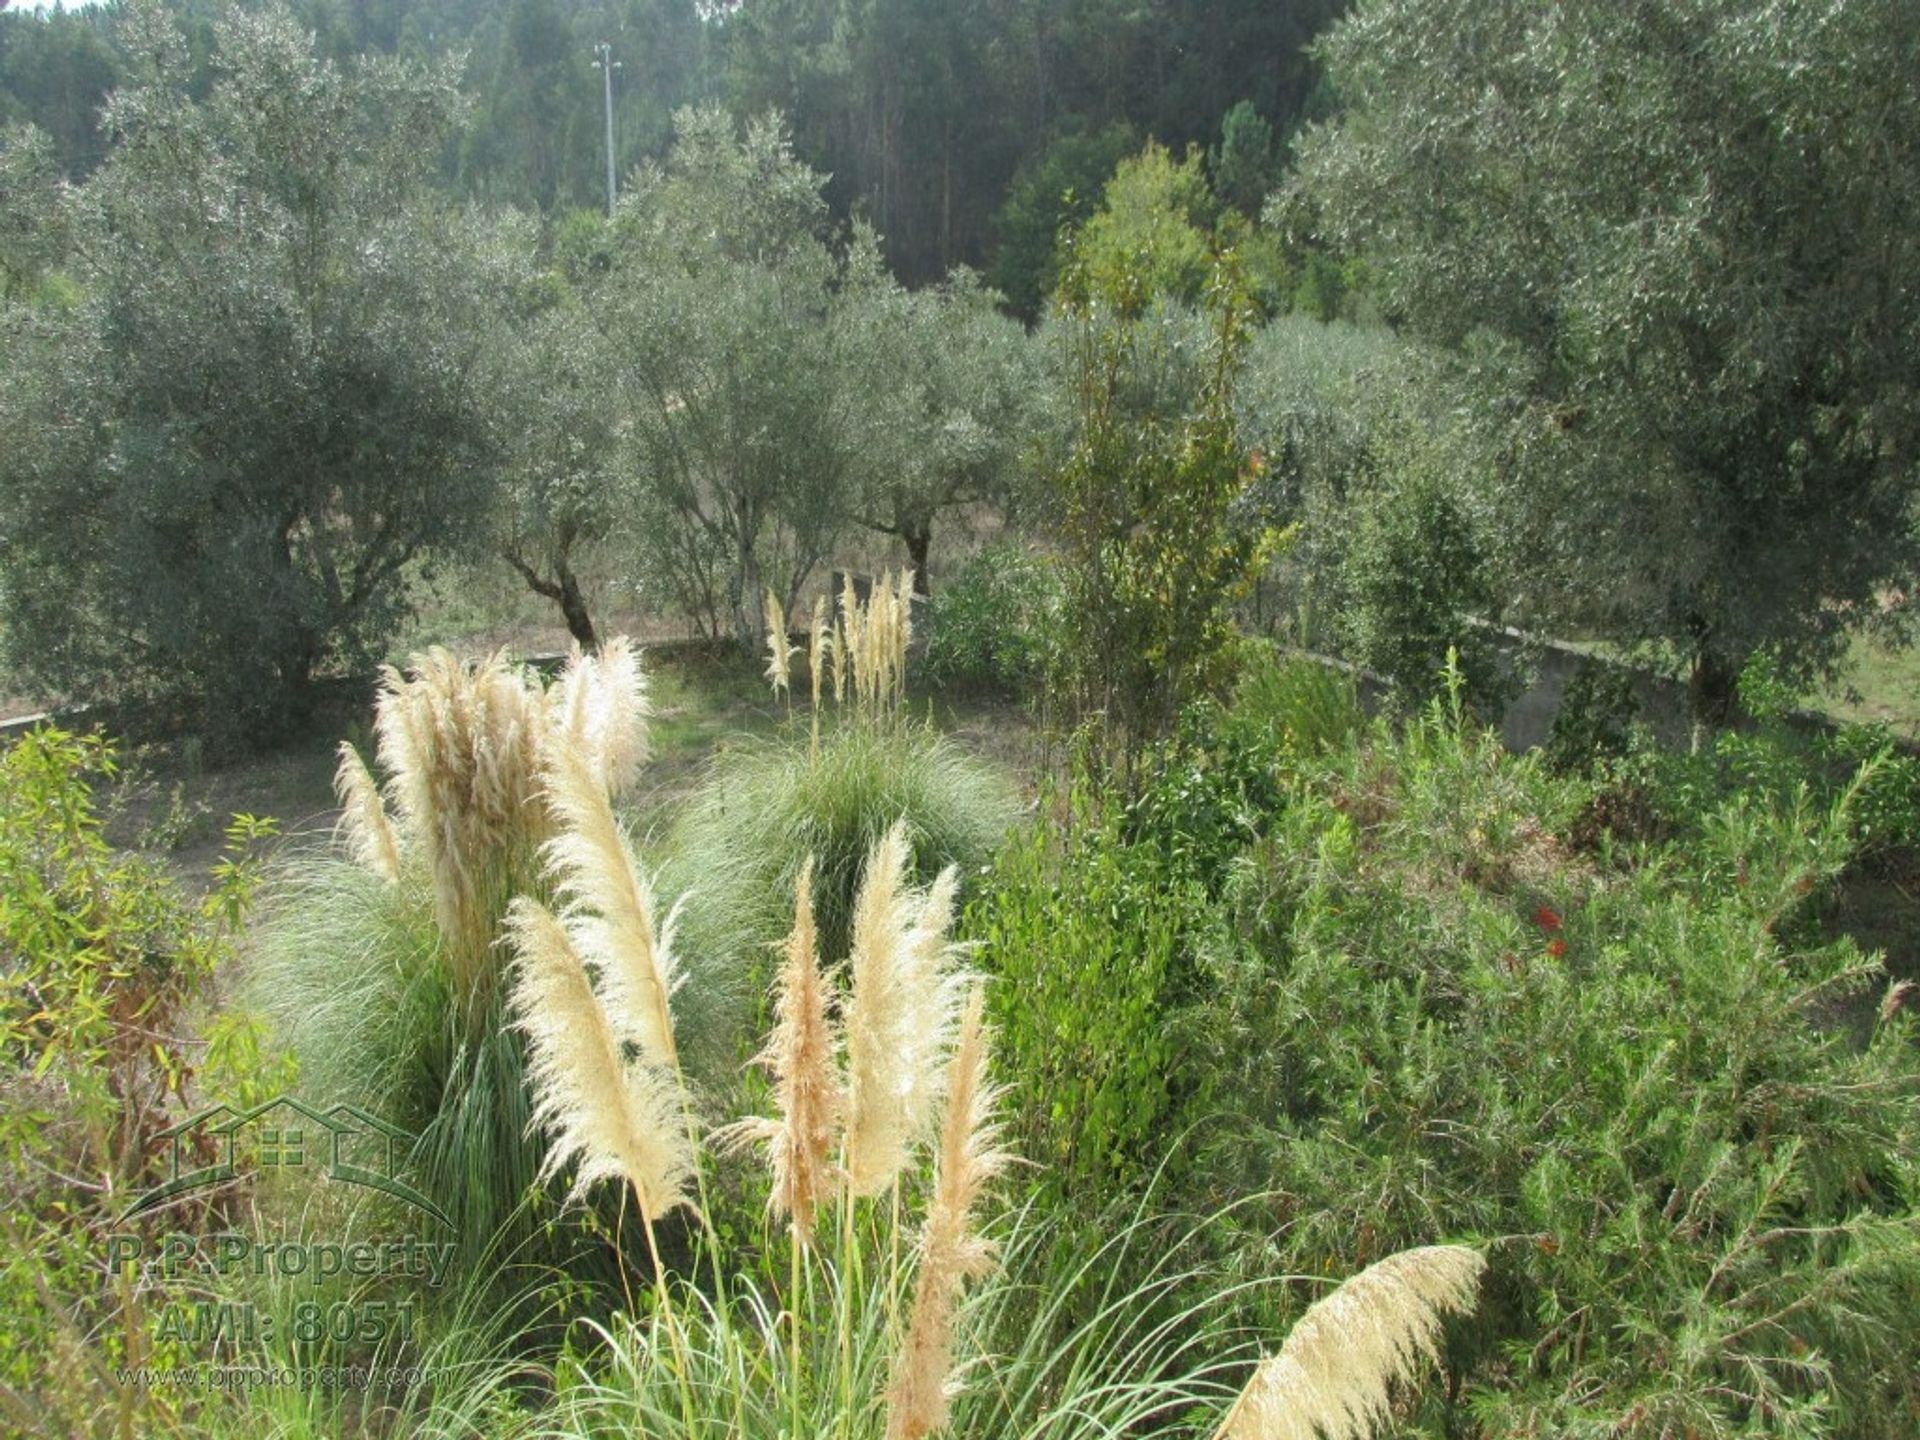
604 53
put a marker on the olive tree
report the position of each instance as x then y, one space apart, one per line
717 306
1673 244
266 386
951 392
556 412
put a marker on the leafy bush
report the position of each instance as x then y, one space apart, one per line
1094 930
993 625
1414 1008
105 961
1774 757
1416 575
1089 940
1595 721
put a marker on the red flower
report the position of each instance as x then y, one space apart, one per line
1556 948
1547 918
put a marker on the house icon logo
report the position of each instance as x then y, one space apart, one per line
343 1142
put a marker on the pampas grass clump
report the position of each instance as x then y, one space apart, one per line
382 968
738 845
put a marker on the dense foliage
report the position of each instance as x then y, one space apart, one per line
107 962
233 448
1398 986
1671 243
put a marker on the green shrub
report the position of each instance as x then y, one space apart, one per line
993 625
106 961
1089 940
1415 573
1094 930
1776 755
1435 1017
1154 508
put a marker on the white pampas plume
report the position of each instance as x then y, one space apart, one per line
928 960
779 652
817 643
952 1251
900 1016
462 745
607 1116
610 907
801 1054
1330 1381
363 825
599 707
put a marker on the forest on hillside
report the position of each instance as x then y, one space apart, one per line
957 130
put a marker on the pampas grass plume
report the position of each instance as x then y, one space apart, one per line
1331 1380
363 822
610 910
951 1249
608 1117
599 708
462 745
900 1015
818 641
779 652
801 1055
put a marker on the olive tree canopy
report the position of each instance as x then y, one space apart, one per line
258 416
1678 246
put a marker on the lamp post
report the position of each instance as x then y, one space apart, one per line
603 59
